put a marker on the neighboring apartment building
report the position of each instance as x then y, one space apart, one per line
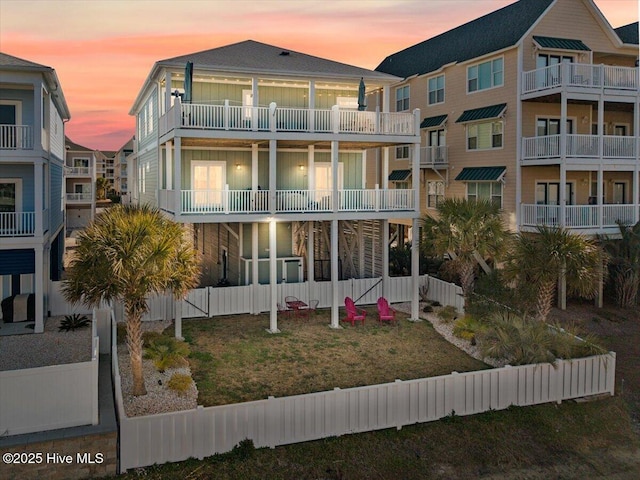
32 151
120 168
534 106
262 150
80 185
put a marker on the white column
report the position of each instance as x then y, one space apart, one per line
600 193
386 98
415 176
167 95
415 270
177 312
563 156
39 289
273 148
334 175
254 266
385 257
335 301
384 181
177 174
311 169
635 187
311 268
38 188
273 278
254 166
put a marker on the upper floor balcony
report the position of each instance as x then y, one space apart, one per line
273 118
83 197
21 224
16 137
78 171
580 77
225 202
579 147
434 157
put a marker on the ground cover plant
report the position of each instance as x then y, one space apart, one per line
233 359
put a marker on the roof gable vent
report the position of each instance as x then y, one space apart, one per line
284 53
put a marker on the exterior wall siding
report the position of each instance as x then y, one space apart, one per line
56 133
55 191
149 162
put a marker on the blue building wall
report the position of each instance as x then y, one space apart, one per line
55 191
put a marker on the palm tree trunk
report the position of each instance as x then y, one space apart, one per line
545 300
467 275
134 343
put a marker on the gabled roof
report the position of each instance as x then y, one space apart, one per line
628 33
75 147
561 43
490 33
7 60
251 56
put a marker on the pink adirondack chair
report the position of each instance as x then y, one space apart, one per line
354 314
385 312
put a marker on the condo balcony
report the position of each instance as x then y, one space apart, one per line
578 77
434 157
226 117
21 224
585 218
84 197
549 149
224 202
16 137
78 171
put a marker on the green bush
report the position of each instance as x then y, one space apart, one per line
448 313
468 328
180 382
73 322
166 352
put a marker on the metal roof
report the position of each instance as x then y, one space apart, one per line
560 43
481 174
628 33
399 175
431 122
493 111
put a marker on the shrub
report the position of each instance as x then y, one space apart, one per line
167 352
448 313
73 322
468 328
180 382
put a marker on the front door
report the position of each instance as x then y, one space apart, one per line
619 192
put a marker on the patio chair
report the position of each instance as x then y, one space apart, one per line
283 310
290 299
307 311
354 314
385 312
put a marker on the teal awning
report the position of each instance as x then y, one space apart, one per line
399 175
481 174
431 122
560 43
493 111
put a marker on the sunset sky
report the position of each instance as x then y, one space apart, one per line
103 50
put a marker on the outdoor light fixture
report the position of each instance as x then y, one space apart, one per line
301 166
238 166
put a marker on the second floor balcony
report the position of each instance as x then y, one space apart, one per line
592 218
603 147
84 197
581 77
224 202
16 137
78 171
284 119
434 157
21 224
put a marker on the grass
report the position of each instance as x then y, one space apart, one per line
234 359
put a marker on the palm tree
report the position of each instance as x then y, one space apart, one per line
551 255
625 264
101 188
469 231
128 254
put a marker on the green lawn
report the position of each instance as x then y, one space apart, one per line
234 359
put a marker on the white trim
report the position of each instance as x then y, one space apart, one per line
18 183
444 89
483 121
489 59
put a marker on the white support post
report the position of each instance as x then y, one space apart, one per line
635 187
384 181
311 170
38 189
415 175
177 174
254 166
415 270
334 176
311 267
254 266
167 91
273 278
273 146
39 289
563 155
600 193
335 301
177 312
385 257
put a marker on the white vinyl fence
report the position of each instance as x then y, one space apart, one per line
51 397
214 301
201 432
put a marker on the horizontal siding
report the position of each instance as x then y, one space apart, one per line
56 134
149 162
55 191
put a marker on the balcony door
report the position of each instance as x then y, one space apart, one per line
10 203
10 117
551 126
619 192
208 180
548 193
437 141
324 182
547 77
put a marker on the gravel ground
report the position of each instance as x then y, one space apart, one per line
446 330
159 398
48 348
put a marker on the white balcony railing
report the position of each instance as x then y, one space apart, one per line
286 201
79 171
580 216
16 137
434 155
17 224
577 75
80 197
284 119
613 147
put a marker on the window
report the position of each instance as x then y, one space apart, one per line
10 195
551 126
491 191
484 136
548 193
208 180
436 90
402 152
485 75
402 98
435 193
